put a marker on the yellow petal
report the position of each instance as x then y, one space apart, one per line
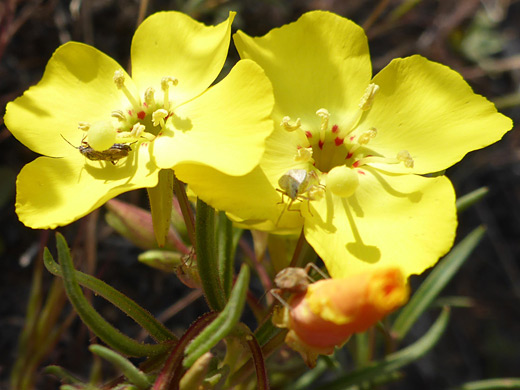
77 86
53 192
392 220
225 127
173 44
429 110
319 61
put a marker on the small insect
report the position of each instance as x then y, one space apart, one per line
113 154
295 183
294 280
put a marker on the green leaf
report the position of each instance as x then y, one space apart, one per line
492 384
470 199
435 282
90 317
223 324
156 330
394 361
132 373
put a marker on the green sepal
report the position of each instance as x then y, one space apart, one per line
161 198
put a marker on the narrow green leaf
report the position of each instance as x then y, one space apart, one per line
394 361
161 197
156 330
491 384
207 260
435 282
223 324
62 374
132 373
90 317
470 199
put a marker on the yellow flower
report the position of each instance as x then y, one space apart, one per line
349 151
331 310
103 132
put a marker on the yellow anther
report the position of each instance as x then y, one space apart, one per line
149 96
158 117
165 86
324 115
367 136
368 97
119 79
287 125
316 192
119 115
304 155
405 157
137 130
83 126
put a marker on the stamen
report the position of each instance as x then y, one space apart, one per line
165 86
366 136
304 155
119 80
406 158
83 126
324 115
290 126
137 130
149 97
119 115
368 98
158 117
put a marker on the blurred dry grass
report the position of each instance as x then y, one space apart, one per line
478 38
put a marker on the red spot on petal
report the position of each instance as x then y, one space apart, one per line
144 144
141 114
130 112
349 155
145 105
320 144
308 134
335 128
351 138
356 164
338 141
361 172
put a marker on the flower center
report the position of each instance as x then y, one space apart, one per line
340 152
138 122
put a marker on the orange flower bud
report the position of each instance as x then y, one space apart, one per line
331 310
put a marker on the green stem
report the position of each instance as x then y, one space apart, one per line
207 261
97 324
187 212
225 252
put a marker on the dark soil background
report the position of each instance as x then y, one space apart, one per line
478 38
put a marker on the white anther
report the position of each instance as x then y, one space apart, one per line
287 125
119 115
324 115
368 97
